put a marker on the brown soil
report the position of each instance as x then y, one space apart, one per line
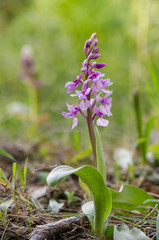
23 218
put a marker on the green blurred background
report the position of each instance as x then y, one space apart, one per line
56 30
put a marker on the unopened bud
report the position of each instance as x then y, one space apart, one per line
27 59
94 35
96 50
86 47
94 43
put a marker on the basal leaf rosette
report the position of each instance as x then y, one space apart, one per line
92 178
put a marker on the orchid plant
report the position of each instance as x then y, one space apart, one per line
94 103
90 104
29 77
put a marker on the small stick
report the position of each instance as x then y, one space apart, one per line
47 231
4 231
147 216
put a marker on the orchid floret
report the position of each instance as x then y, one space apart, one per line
91 100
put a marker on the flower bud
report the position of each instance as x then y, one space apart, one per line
27 60
94 56
94 35
100 65
86 47
94 43
96 50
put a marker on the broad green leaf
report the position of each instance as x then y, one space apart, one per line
152 201
6 154
157 227
88 209
101 165
86 189
5 205
123 233
109 232
93 179
129 197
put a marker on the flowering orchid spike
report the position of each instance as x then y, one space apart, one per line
93 98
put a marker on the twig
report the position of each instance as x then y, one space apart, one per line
4 231
147 216
47 231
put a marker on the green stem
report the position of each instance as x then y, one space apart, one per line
92 135
90 125
33 100
139 122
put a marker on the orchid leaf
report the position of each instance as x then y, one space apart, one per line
5 205
86 189
129 197
93 179
123 233
109 232
55 206
88 209
101 166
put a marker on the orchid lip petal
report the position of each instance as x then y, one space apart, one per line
74 123
102 122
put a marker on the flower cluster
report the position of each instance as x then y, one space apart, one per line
91 101
28 73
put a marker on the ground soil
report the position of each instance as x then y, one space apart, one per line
22 220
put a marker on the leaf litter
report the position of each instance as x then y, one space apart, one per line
28 210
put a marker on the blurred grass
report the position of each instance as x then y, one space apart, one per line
128 37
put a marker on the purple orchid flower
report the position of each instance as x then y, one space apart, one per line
91 103
72 114
72 85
